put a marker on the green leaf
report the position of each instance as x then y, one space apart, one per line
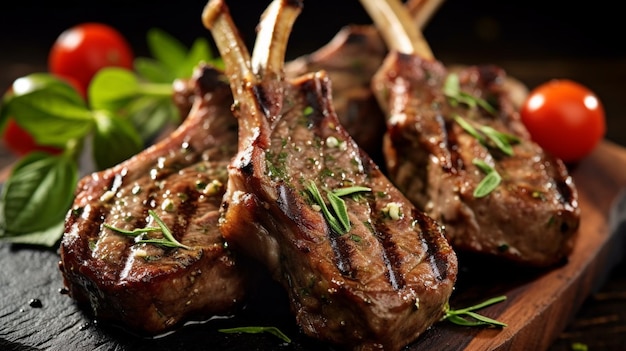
333 222
256 330
112 88
456 316
469 128
503 141
153 71
150 114
490 182
48 108
200 52
339 207
48 237
350 190
38 193
167 233
452 89
115 140
168 239
166 49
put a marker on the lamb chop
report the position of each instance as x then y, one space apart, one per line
350 59
148 282
455 145
363 268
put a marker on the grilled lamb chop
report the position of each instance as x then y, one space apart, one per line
443 139
363 271
145 286
350 59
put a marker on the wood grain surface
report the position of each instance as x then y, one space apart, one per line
539 304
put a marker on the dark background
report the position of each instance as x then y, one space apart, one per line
511 29
532 40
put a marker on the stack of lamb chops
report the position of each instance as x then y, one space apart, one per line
183 176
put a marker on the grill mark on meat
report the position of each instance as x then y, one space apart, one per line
437 260
390 257
342 254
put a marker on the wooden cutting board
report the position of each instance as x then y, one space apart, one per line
539 303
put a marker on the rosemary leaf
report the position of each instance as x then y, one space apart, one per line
256 330
457 316
491 180
452 89
339 206
469 128
134 232
167 233
168 239
503 141
330 218
350 190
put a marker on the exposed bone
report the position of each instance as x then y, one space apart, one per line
397 27
422 10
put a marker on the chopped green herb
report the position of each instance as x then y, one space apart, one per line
457 316
168 239
490 182
256 330
338 219
330 217
501 141
308 111
452 89
350 190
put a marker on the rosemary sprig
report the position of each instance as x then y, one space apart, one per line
452 90
168 239
503 141
457 316
256 330
490 182
337 219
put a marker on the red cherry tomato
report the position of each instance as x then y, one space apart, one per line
565 118
81 51
21 143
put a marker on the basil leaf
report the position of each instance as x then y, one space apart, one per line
50 110
112 88
115 140
150 114
38 193
255 330
48 237
152 70
167 50
33 82
200 52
